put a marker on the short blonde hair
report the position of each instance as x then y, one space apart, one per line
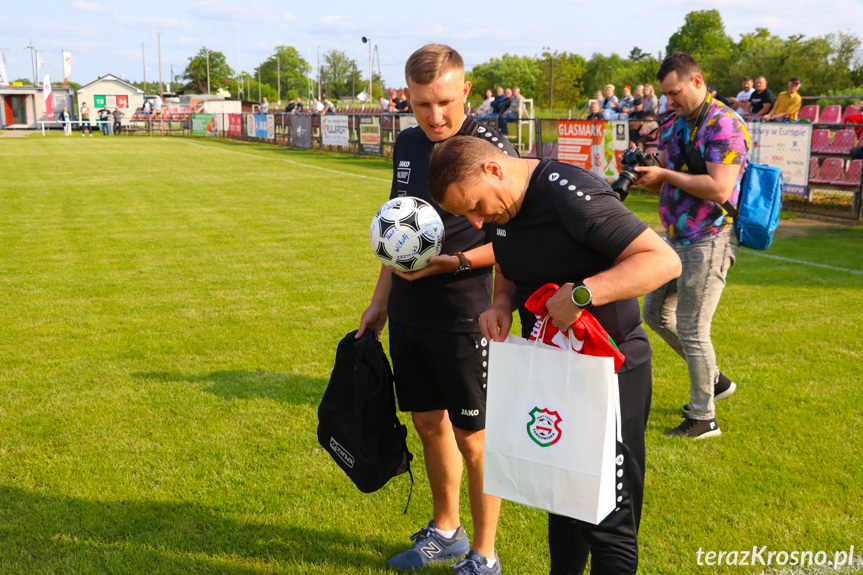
431 62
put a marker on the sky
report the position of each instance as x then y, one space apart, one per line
106 37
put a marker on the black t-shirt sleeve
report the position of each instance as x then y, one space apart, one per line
597 219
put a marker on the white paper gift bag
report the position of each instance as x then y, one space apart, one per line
551 425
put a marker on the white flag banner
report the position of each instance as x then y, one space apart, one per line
67 66
49 102
39 63
4 79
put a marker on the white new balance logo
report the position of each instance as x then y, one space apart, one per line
431 549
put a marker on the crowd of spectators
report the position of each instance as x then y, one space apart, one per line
507 105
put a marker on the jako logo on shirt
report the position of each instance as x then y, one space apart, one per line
470 412
544 426
501 232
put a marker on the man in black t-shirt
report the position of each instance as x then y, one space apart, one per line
760 101
564 225
437 349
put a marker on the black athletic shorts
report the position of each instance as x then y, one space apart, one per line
441 370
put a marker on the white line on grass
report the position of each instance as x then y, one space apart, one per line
289 161
801 262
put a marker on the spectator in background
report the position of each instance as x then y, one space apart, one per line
595 111
404 104
328 107
66 118
85 119
498 100
289 109
760 101
741 102
609 102
264 108
316 106
298 109
118 121
514 110
663 105
620 110
787 104
105 121
651 104
484 110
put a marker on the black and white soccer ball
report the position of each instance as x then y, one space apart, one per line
405 233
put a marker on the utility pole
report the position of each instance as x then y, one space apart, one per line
259 85
319 73
144 62
353 80
159 41
208 70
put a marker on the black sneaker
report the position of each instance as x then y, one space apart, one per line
695 428
722 389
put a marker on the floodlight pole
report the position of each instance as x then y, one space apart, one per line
259 84
368 41
278 76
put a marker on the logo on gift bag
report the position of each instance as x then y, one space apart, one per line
544 426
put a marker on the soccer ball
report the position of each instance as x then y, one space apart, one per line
406 233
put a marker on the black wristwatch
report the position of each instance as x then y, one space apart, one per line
463 263
582 296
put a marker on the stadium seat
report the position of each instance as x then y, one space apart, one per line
810 113
554 150
852 174
820 140
532 153
831 170
813 168
850 111
842 143
546 149
831 114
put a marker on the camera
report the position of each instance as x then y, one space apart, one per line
631 158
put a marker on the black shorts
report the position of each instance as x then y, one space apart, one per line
441 370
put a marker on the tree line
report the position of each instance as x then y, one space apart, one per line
829 65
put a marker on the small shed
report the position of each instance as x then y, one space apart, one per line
22 107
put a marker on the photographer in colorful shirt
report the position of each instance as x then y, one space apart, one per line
703 149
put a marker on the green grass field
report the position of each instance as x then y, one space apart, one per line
169 312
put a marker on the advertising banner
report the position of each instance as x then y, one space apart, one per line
301 130
67 65
260 125
334 130
122 101
235 124
271 127
370 135
98 101
594 146
783 146
203 124
250 125
49 101
110 101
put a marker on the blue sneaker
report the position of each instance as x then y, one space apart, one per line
476 564
430 547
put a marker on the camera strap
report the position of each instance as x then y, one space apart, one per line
689 156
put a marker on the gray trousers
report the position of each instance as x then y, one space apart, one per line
681 312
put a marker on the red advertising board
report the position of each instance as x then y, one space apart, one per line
594 146
235 124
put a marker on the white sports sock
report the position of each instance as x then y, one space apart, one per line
446 534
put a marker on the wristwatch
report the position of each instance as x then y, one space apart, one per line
463 263
582 296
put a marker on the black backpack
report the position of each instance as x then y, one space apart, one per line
357 421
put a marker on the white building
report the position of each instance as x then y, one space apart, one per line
111 92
